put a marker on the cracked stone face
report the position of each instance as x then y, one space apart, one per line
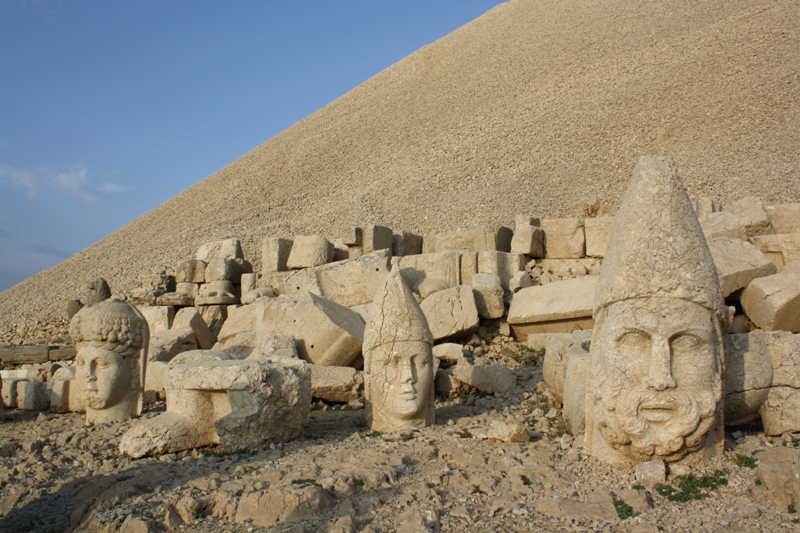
655 389
657 381
398 361
111 338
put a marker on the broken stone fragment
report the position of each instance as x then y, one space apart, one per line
238 334
777 478
738 263
448 352
165 345
253 295
224 249
747 377
214 316
575 384
190 318
376 237
175 299
451 313
783 250
504 265
219 269
275 254
275 346
416 269
216 293
191 271
327 333
528 240
158 318
32 395
751 212
487 378
561 306
406 243
508 431
723 224
491 238
785 218
780 412
336 383
488 295
773 302
598 232
564 238
248 282
310 251
705 205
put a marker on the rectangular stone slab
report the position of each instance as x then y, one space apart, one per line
572 298
521 331
18 355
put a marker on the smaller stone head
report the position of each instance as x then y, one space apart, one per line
112 338
98 291
398 361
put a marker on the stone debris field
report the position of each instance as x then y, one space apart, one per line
388 381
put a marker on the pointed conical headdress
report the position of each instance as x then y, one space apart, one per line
657 247
395 316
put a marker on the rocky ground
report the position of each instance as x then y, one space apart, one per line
56 473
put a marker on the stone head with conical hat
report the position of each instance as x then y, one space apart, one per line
398 361
655 387
112 338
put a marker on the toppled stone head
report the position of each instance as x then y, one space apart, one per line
655 389
112 339
99 291
398 360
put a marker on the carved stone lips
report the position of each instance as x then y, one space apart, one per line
657 410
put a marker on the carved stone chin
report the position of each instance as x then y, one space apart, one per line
398 361
111 338
655 387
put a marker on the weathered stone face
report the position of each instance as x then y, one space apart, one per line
398 360
657 384
402 379
112 340
655 389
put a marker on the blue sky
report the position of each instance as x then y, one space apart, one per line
108 109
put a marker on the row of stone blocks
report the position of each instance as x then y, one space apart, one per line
35 354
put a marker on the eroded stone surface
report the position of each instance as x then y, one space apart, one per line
451 313
655 391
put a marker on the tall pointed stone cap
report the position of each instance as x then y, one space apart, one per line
657 247
395 316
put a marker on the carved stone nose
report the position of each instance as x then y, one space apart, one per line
659 375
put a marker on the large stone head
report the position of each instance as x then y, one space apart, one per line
398 360
655 388
111 338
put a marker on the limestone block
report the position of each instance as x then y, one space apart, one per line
348 283
239 329
491 238
525 220
575 385
785 218
777 478
175 299
238 404
159 282
156 377
738 263
448 352
283 504
191 271
508 431
564 238
216 293
454 240
554 366
528 240
190 318
275 254
336 383
451 313
248 282
166 344
747 376
780 412
415 269
225 249
538 341
773 302
190 289
406 243
488 295
32 395
270 315
469 266
598 232
505 265
158 318
705 205
354 236
219 269
275 280
557 301
566 508
780 249
65 396
520 280
261 292
487 378
9 392
310 251
214 316
447 385
327 333
275 346
751 211
376 238
723 224
650 473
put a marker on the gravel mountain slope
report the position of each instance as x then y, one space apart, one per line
535 107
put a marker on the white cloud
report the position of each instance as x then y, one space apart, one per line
78 184
21 178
